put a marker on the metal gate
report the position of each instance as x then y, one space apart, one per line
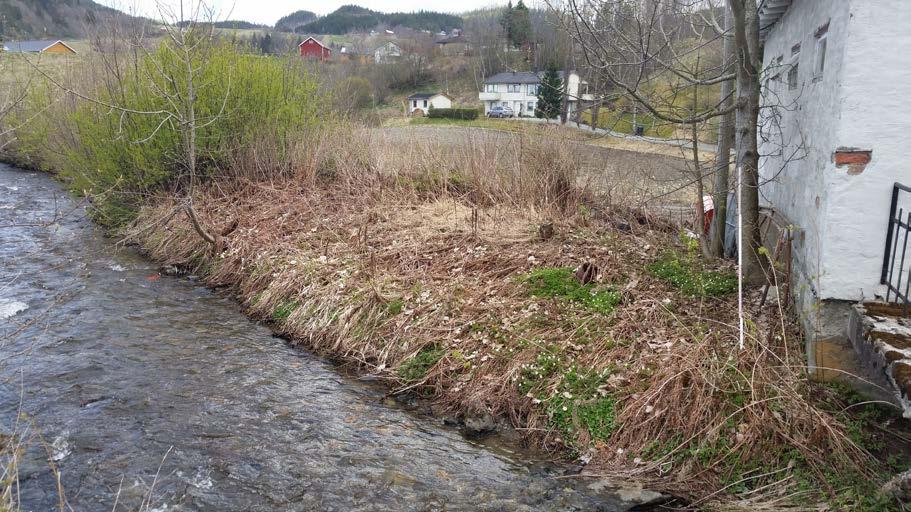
896 273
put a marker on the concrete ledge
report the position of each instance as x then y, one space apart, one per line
882 339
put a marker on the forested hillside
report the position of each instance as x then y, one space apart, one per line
296 19
352 18
20 19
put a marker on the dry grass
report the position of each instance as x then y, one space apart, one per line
427 267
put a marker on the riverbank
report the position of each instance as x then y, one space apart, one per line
489 282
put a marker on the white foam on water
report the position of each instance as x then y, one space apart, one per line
14 189
60 448
202 480
118 268
9 308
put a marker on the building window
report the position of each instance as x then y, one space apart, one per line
491 88
793 72
532 89
513 87
414 104
425 103
819 64
531 106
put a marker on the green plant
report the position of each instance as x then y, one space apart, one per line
688 276
284 310
547 364
394 307
453 113
550 94
578 403
117 157
561 284
417 367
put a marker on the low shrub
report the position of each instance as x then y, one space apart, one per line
417 367
453 113
691 279
560 283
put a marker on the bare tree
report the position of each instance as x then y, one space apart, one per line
725 140
174 75
660 52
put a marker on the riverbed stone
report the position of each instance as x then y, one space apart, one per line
480 425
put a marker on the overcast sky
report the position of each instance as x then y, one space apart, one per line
269 11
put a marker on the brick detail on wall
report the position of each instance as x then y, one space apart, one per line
855 160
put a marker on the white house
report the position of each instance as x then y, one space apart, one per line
387 53
420 103
833 142
519 91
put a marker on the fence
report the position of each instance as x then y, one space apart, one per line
897 235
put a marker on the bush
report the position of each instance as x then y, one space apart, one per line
115 158
453 113
417 367
686 275
560 283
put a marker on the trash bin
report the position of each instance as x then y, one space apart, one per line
640 130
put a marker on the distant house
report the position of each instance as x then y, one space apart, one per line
311 48
47 46
420 103
519 91
387 53
346 54
453 45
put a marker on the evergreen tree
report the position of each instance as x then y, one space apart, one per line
506 21
265 44
550 94
516 23
520 25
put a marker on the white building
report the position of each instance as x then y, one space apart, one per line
388 52
833 141
420 103
519 91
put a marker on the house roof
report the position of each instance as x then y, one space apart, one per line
518 77
315 40
770 11
33 46
452 40
351 51
426 95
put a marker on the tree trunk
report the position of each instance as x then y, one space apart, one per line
596 111
564 111
725 139
749 58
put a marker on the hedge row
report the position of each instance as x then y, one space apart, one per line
453 113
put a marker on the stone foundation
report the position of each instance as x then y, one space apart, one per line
882 339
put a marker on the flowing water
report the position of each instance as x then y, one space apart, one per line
154 393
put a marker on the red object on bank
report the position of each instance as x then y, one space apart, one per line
708 207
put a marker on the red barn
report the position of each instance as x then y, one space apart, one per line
313 49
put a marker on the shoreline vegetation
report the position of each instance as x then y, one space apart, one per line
486 277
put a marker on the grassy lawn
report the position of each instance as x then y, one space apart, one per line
516 126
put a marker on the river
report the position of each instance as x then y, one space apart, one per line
158 394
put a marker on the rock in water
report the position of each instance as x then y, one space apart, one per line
480 425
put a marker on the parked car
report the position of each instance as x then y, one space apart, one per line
501 111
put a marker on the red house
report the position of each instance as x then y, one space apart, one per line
313 49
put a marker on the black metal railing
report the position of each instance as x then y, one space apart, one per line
897 235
